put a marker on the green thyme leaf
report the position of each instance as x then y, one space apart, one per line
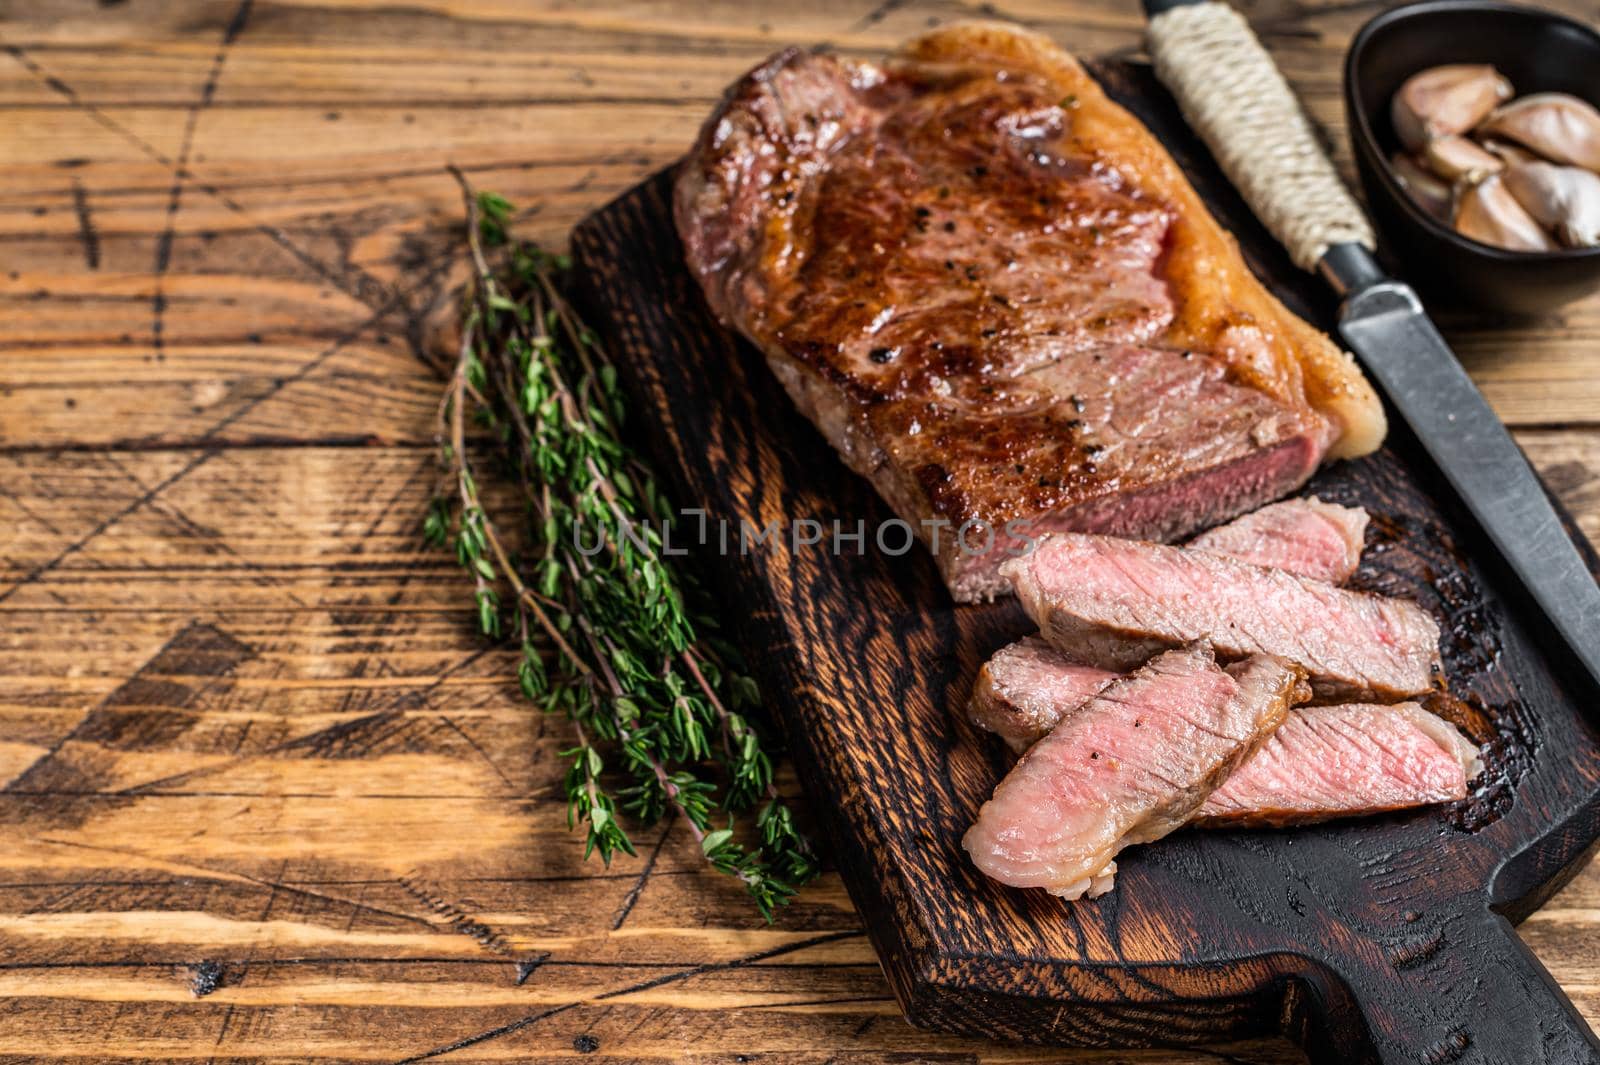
613 634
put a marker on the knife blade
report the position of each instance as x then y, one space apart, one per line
1400 347
1234 97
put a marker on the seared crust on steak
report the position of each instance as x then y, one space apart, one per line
1221 307
997 297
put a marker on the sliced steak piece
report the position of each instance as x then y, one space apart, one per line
1112 603
1305 536
1023 690
1344 761
1027 688
1131 765
999 299
1323 762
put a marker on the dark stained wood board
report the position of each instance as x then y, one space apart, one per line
1379 940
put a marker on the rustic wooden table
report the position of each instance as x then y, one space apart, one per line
266 796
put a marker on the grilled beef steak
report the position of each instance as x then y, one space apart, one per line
1305 536
1323 762
997 296
1112 603
1131 765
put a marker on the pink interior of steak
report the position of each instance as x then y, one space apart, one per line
1335 761
1129 767
1304 536
1109 602
1322 762
1027 687
972 312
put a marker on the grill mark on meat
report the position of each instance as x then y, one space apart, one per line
974 298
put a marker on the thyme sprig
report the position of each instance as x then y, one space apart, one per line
611 635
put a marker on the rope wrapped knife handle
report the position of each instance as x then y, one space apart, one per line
1232 94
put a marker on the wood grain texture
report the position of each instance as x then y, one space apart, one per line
283 805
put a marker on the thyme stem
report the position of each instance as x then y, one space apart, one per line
612 636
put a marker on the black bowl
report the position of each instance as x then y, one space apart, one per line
1540 52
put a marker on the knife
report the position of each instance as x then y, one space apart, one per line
1234 97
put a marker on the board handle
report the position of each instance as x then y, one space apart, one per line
1469 992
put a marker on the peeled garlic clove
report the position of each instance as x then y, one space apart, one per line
1445 101
1487 213
1562 128
1456 159
1426 188
1564 199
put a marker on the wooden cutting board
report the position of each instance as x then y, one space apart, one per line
1382 940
